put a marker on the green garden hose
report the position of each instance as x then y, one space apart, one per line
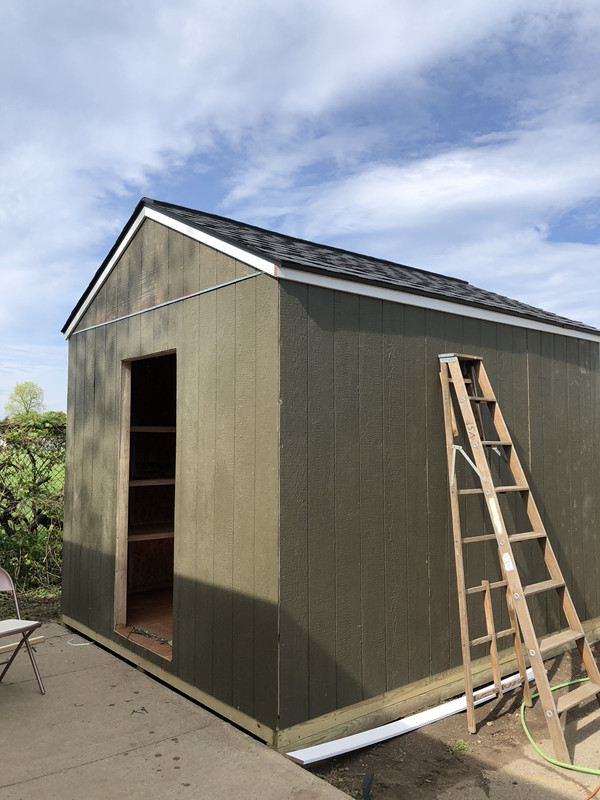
537 749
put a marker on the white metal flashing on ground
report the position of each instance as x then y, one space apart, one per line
320 752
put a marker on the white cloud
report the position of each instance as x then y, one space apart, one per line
363 120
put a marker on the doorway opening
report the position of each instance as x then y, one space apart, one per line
144 585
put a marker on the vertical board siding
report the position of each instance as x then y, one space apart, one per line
266 505
321 505
293 537
396 476
226 576
244 500
222 642
368 587
415 499
370 497
347 546
440 550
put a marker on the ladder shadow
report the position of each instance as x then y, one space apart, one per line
582 724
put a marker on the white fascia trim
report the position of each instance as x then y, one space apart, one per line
421 301
252 260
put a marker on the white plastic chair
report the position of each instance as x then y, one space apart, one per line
12 627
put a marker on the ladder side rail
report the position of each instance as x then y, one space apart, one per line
517 643
450 427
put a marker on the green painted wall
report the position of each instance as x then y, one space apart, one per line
226 515
368 591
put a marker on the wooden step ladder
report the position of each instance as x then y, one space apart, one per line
465 384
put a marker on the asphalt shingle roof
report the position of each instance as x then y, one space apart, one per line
309 256
289 251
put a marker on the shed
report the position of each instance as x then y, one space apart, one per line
256 505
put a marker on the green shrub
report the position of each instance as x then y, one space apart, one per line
32 471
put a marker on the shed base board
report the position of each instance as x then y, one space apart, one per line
408 699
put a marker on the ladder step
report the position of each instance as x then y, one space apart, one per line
526 535
460 356
584 692
543 586
474 399
504 489
486 537
499 443
476 589
470 491
559 640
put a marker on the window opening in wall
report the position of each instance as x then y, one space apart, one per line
147 618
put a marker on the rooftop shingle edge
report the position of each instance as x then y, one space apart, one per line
310 257
327 260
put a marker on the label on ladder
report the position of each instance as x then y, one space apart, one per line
507 561
495 515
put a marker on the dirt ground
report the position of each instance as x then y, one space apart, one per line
443 759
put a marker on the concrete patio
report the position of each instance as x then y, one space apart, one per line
106 729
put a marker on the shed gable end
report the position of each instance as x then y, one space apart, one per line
158 266
150 271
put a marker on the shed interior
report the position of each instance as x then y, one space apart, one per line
151 503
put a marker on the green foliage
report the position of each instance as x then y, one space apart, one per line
26 398
32 471
458 747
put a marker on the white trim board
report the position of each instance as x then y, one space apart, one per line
316 279
433 303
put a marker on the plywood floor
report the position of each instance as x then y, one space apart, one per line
150 621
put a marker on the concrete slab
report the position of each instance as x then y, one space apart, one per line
106 729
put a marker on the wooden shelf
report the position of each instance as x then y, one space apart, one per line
153 482
155 530
153 429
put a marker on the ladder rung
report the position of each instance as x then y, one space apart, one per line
559 640
460 356
500 443
470 491
512 684
476 589
504 489
526 535
584 692
486 537
481 640
543 586
488 638
474 399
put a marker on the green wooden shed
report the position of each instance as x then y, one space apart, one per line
256 505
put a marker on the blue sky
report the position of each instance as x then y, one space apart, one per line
459 137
